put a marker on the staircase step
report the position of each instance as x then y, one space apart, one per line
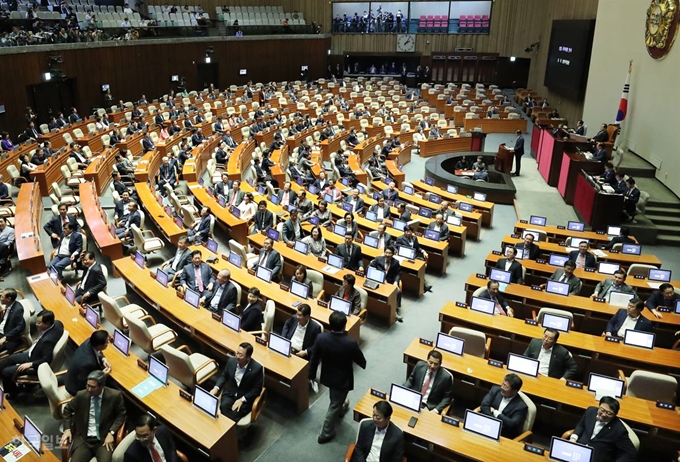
661 210
661 220
668 239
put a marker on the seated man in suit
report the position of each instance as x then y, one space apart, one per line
292 229
629 318
263 220
665 296
580 128
381 209
603 431
619 184
379 440
447 211
350 224
80 158
510 264
302 331
352 139
357 202
92 419
88 357
582 257
391 193
322 182
147 144
269 258
239 395
348 292
384 239
13 323
622 238
531 250
49 333
504 403
54 227
492 293
555 360
602 135
296 173
251 314
180 259
93 280
166 175
201 230
222 187
479 164
133 218
225 295
600 154
121 208
350 253
433 381
566 275
609 175
198 277
235 196
441 227
403 213
151 440
616 284
392 269
7 237
68 251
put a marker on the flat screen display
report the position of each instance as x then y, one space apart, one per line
639 338
339 230
606 267
566 70
478 196
559 288
273 234
158 370
558 260
576 226
408 190
162 277
533 233
231 320
279 344
538 221
235 259
299 289
339 304
631 249
429 181
301 247
453 220
431 234
500 275
328 198
561 323
523 364
597 382
568 451
371 216
139 259
32 435
371 241
206 402
425 213
375 274
613 230
451 189
335 261
91 316
465 207
482 305
347 207
211 245
399 225
192 298
659 275
121 342
435 199
406 252
70 295
621 299
450 343
264 273
405 397
482 425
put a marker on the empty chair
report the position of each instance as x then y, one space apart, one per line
146 245
57 396
476 343
651 386
190 369
149 338
116 314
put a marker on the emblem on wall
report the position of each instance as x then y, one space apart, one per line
661 27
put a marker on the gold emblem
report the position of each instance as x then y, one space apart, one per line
661 27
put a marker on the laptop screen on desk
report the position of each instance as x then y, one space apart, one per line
478 196
408 190
192 298
483 305
206 402
500 275
121 342
158 370
538 221
139 259
483 425
559 288
339 304
222 201
631 249
231 320
340 230
435 199
598 381
301 247
335 261
659 275
371 241
375 274
405 397
568 451
451 189
523 364
406 252
639 338
347 207
32 435
328 198
465 207
576 226
211 245
558 260
162 277
605 267
298 289
279 344
235 211
453 220
561 323
431 234
450 343
264 273
274 199
91 316
429 181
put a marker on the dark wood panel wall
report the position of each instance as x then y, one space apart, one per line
132 70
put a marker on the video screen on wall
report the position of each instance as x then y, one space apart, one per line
571 43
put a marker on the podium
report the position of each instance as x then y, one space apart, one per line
504 158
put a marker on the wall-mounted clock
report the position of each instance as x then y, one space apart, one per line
406 43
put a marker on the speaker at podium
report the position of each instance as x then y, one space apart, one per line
503 161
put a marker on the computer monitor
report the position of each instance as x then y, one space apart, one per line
431 234
519 253
301 247
274 199
235 259
32 435
314 220
371 216
70 295
567 451
408 190
376 195
465 207
231 320
576 226
429 181
453 220
339 304
344 181
273 234
328 198
179 222
335 261
576 241
639 338
533 233
264 273
598 382
483 425
371 241
192 297
561 323
451 189
538 221
659 275
211 245
375 274
621 299
424 212
478 196
121 342
162 277
435 199
54 276
91 316
399 225
631 249
339 230
279 344
483 305
347 207
406 397
557 260
206 402
299 289
406 252
558 288
450 343
139 259
613 230
523 364
158 370
222 201
606 267
500 275
168 210
677 307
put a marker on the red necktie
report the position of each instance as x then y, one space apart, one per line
233 199
154 453
426 383
199 281
500 308
581 260
345 296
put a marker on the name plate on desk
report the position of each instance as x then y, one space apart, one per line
662 405
185 395
589 270
539 288
612 339
495 363
614 251
599 232
378 393
542 261
251 271
515 236
451 421
481 276
322 259
663 309
574 384
524 222
360 273
427 342
461 305
261 341
284 287
225 257
142 364
561 227
531 322
216 317
534 449
496 252
563 244
322 303
639 276
599 299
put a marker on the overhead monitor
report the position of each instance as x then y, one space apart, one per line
339 304
538 221
158 370
483 305
206 402
335 261
606 267
561 323
631 249
558 288
121 342
659 275
523 364
450 343
483 425
279 344
231 320
371 241
375 275
192 297
301 247
500 275
639 338
299 289
567 451
569 51
264 273
406 397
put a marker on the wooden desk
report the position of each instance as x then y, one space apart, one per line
156 212
94 142
496 125
215 437
45 175
557 235
240 158
165 147
429 148
382 302
27 227
485 208
393 170
8 432
287 376
236 228
97 223
100 170
595 207
331 145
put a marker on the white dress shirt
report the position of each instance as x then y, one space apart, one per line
628 324
376 446
504 402
597 428
299 336
63 246
238 375
544 360
508 263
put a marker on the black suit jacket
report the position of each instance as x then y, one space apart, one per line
14 326
351 260
393 273
264 220
562 364
228 300
312 332
189 278
590 261
602 136
519 145
612 443
251 317
42 353
55 226
77 411
515 270
618 240
392 449
251 383
120 208
358 205
619 318
337 352
137 452
83 361
273 262
75 244
534 251
288 230
402 241
513 415
442 388
95 283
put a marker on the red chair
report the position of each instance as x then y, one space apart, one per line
462 23
445 23
422 24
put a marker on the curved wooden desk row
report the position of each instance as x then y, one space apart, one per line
543 388
156 212
27 228
430 148
215 437
382 302
45 175
485 208
8 431
56 139
548 248
496 125
236 228
557 235
100 169
98 223
287 376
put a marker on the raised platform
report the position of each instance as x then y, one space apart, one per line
500 188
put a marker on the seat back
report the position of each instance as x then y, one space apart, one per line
139 334
317 281
137 236
543 311
119 453
59 352
642 203
179 365
112 311
633 437
239 249
531 412
542 236
49 384
640 269
475 341
269 311
652 386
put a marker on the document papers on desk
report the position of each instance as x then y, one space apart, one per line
146 387
598 253
330 269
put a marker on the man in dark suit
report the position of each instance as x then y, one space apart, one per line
198 277
31 132
391 193
381 209
392 269
492 293
302 331
352 139
269 258
264 219
93 280
235 196
158 119
439 226
166 175
322 182
68 250
54 227
531 250
665 296
133 218
14 327
251 315
600 154
180 259
518 149
238 396
510 264
582 257
201 230
292 229
88 357
357 202
609 175
225 295
348 292
503 402
567 276
622 238
619 184
149 437
384 239
287 196
350 253
602 430
336 352
602 135
629 318
580 128
434 382
630 199
49 333
121 208
92 419
390 444
614 284
555 360
222 187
